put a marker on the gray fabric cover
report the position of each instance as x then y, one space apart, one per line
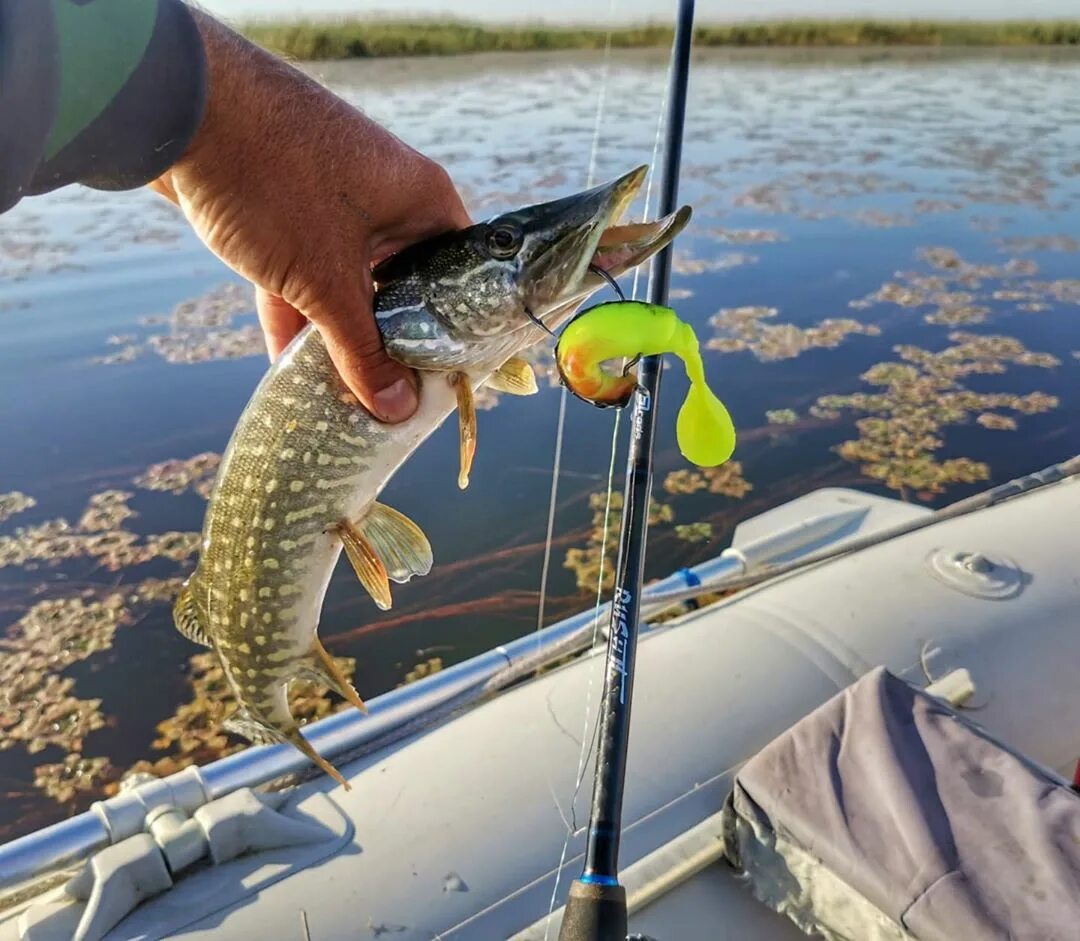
944 830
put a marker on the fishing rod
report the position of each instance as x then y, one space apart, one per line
596 906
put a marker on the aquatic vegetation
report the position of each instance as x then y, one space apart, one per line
372 38
781 416
959 307
928 206
880 219
687 264
178 475
742 328
1040 243
64 780
922 395
156 590
14 502
201 330
817 194
746 236
997 422
1065 290
586 563
694 532
96 536
31 250
37 708
958 316
424 668
107 510
726 480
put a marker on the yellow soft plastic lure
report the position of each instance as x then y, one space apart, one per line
626 330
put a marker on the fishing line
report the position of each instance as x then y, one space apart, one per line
588 737
560 426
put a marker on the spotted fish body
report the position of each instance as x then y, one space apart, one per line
306 462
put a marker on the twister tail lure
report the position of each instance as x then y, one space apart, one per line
631 329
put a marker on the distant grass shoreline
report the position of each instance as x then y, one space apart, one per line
359 39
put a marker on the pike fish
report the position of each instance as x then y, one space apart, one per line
301 475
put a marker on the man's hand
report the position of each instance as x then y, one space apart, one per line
301 193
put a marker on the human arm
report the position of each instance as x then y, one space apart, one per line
288 184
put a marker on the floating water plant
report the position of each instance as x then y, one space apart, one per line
781 416
694 532
726 480
585 563
743 328
923 394
201 330
177 475
14 502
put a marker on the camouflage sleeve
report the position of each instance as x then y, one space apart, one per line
102 92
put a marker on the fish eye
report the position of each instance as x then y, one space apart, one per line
503 241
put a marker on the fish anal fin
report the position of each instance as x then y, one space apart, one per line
297 739
515 377
188 618
366 563
397 541
466 424
322 668
244 724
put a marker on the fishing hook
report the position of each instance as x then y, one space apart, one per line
612 283
536 320
596 270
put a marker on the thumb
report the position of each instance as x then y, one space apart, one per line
386 388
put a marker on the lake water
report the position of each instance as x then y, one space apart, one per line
845 205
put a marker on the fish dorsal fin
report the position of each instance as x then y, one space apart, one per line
398 542
385 546
515 377
188 619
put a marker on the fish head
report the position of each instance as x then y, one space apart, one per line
522 263
441 300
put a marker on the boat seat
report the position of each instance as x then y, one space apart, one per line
886 815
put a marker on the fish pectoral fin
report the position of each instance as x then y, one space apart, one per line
515 377
322 668
295 738
366 563
244 724
188 619
398 542
466 424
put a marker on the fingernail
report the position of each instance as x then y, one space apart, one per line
396 402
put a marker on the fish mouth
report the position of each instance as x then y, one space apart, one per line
620 248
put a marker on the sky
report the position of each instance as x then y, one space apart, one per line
630 10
